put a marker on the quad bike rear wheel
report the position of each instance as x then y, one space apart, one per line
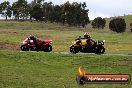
48 48
101 50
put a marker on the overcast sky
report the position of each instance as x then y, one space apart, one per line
101 8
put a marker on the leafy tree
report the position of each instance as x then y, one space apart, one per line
5 9
84 15
75 14
47 9
37 12
20 9
67 12
118 25
56 13
31 5
98 23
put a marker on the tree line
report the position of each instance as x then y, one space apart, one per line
73 14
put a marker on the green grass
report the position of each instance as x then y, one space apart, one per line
52 70
13 33
55 70
127 17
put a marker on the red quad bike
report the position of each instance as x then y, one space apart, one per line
27 45
44 45
37 45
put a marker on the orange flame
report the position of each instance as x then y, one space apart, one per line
82 71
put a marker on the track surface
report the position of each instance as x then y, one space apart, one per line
94 53
91 53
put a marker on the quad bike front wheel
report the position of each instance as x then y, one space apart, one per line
24 48
74 49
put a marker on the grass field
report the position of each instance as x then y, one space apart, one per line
127 17
55 70
13 33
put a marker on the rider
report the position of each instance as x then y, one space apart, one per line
78 40
31 37
87 36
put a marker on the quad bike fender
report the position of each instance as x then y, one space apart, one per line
47 42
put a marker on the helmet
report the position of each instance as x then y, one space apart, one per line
86 35
31 37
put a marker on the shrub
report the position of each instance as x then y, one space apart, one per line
98 23
131 27
118 25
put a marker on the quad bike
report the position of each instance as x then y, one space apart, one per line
36 45
87 46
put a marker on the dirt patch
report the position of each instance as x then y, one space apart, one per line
10 32
7 46
129 61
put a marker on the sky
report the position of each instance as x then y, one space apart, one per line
99 8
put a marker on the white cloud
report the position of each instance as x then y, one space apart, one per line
93 15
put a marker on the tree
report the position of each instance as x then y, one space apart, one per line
118 25
31 5
47 9
20 9
98 23
66 10
37 12
75 14
5 9
84 15
56 14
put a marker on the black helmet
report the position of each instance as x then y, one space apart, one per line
31 37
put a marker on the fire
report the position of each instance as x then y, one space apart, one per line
82 71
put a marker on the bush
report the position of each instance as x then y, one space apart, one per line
98 23
131 27
118 25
